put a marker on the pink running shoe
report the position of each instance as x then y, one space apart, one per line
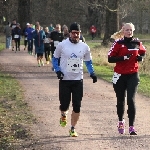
121 127
132 131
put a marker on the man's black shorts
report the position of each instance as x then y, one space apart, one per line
70 89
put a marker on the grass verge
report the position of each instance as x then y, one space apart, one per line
14 113
15 116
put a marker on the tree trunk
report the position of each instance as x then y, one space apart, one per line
112 21
24 12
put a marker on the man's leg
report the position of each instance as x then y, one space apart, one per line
64 98
77 94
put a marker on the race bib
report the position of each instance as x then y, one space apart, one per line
115 78
73 65
56 43
46 40
25 38
16 36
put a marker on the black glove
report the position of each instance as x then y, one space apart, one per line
127 56
94 77
59 75
139 58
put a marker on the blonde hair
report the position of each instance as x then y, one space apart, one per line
46 28
117 35
120 34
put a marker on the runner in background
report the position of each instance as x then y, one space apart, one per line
39 36
16 33
51 28
7 32
65 32
93 31
29 33
13 25
25 36
56 37
47 46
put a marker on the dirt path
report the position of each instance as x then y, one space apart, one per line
97 126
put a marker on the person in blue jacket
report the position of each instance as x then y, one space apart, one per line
39 36
29 33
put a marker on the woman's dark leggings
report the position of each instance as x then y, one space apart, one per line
17 42
47 53
126 85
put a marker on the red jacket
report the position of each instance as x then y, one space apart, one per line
120 49
93 29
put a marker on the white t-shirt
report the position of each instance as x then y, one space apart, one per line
71 58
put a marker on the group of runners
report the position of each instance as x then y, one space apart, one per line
68 53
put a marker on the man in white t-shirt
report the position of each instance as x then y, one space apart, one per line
72 52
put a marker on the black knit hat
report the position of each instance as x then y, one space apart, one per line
74 26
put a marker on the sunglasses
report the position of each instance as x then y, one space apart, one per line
75 33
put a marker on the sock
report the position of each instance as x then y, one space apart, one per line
64 115
72 128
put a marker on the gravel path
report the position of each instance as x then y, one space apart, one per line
97 127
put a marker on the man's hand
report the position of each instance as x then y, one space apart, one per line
127 57
59 75
94 77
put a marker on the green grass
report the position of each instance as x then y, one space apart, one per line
15 114
142 36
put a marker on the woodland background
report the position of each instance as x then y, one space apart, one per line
106 15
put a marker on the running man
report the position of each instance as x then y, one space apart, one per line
72 52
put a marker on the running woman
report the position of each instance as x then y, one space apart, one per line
126 53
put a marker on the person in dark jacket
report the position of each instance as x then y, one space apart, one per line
56 37
126 52
16 33
47 46
39 36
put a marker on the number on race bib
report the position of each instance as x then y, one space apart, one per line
16 36
56 43
116 77
46 40
73 65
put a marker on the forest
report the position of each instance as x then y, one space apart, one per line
106 15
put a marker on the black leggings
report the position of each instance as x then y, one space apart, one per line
47 53
17 42
126 84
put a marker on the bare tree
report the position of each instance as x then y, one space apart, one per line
112 20
24 15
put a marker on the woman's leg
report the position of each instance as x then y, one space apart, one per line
132 85
120 89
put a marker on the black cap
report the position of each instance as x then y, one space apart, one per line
74 26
